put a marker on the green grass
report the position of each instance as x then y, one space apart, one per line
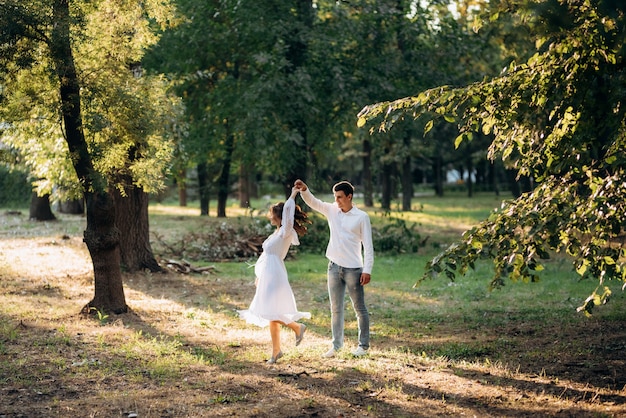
400 310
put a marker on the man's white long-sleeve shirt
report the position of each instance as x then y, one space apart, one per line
350 244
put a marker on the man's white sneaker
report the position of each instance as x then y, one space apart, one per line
360 351
330 353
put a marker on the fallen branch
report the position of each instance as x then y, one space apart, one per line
294 375
185 267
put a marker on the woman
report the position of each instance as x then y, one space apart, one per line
274 303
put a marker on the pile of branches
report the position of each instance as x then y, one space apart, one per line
232 240
220 243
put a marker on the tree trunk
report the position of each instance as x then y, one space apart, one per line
101 236
245 186
526 184
493 177
72 207
514 185
131 218
519 185
407 184
203 188
182 188
103 242
40 208
368 185
299 159
470 169
224 180
386 187
438 171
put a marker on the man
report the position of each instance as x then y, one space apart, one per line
351 257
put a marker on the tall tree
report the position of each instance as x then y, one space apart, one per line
63 35
243 71
559 118
209 52
101 235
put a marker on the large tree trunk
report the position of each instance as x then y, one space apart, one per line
40 208
203 188
103 241
368 185
101 236
131 218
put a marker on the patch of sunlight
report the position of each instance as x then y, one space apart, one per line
436 220
158 209
149 303
174 210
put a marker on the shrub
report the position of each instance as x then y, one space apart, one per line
15 189
396 237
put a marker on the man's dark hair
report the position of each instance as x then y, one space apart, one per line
345 187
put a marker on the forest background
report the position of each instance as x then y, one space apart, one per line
106 105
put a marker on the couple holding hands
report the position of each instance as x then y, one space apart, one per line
350 256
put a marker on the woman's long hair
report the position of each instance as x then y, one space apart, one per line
300 218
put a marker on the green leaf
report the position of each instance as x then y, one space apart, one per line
429 126
458 140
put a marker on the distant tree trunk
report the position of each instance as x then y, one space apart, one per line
101 236
223 187
438 172
40 208
470 169
182 188
72 207
386 186
407 183
298 161
368 185
297 169
245 185
203 188
513 183
518 186
131 218
493 177
526 184
254 185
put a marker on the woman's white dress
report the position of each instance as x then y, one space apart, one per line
274 299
